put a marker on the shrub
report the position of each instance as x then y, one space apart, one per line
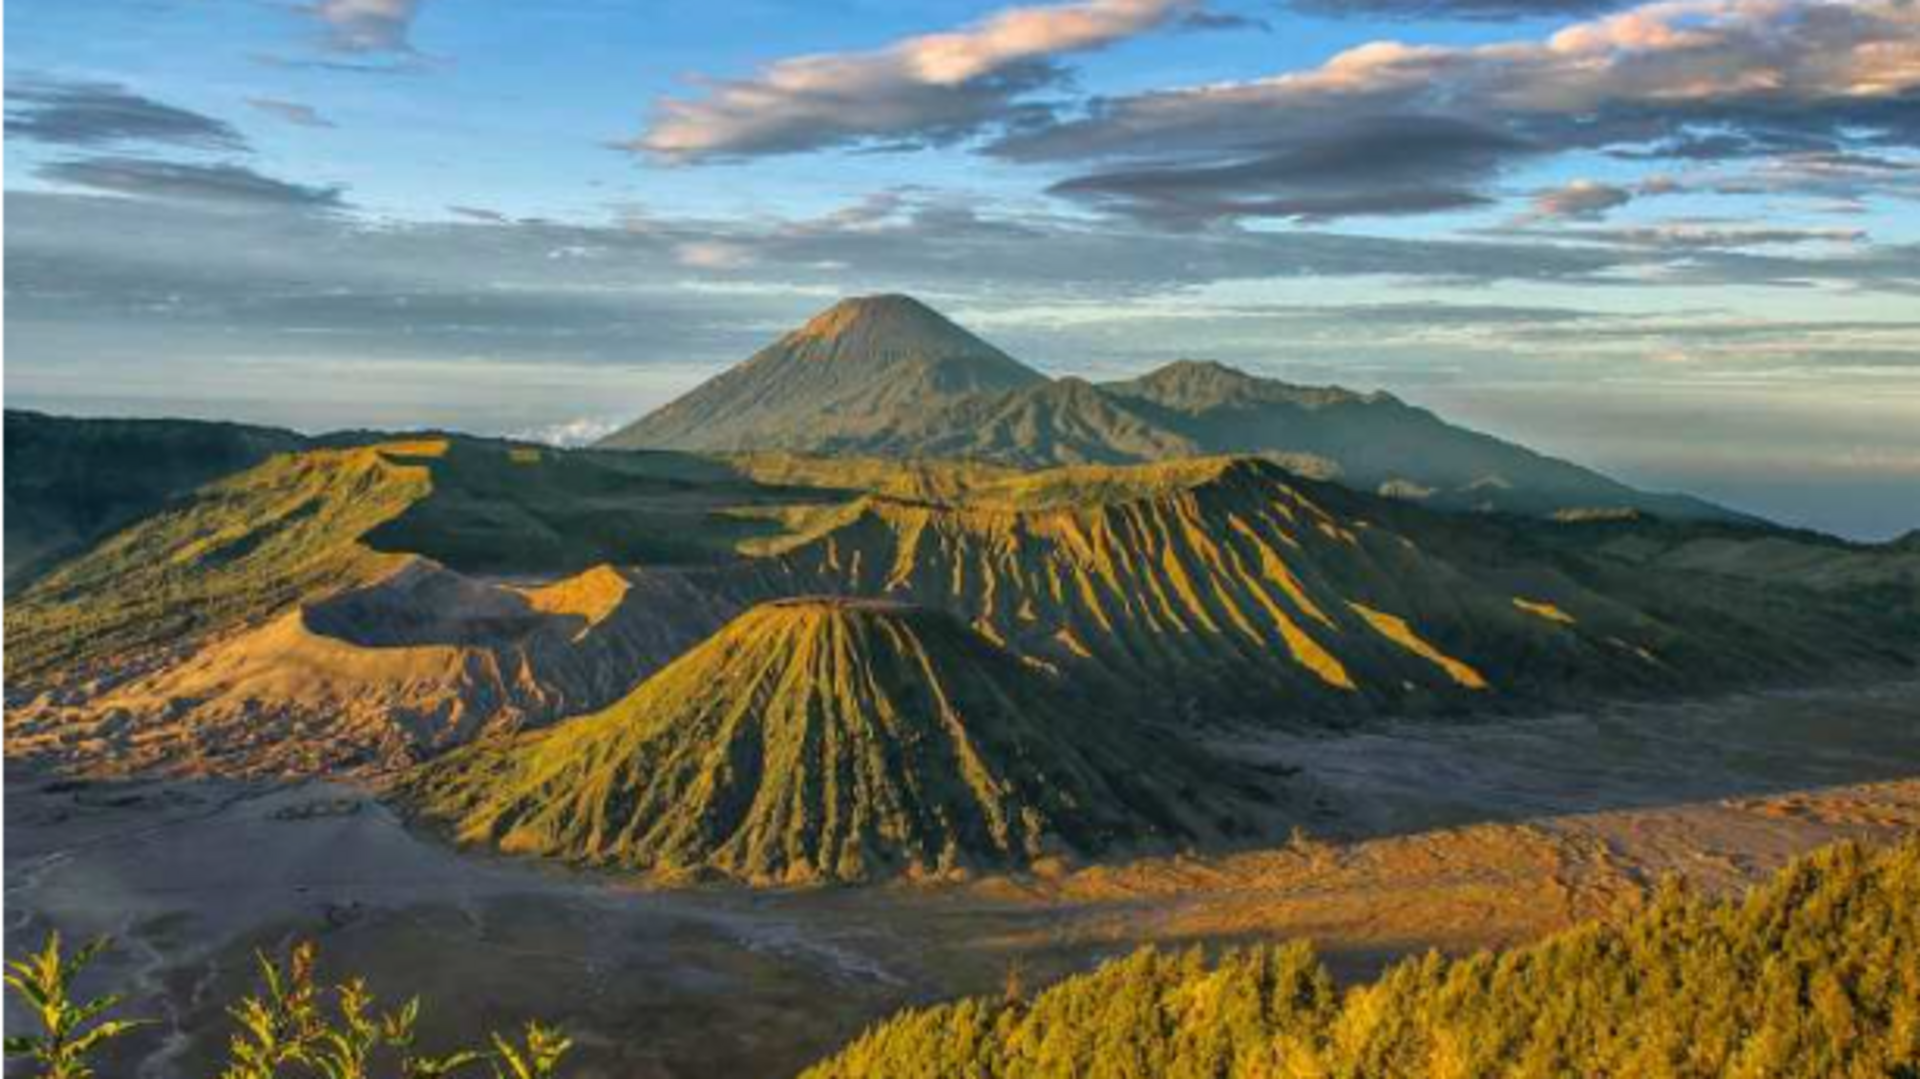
290 1028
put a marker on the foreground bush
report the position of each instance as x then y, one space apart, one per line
291 1027
1814 974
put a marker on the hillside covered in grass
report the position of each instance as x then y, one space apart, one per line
72 481
1231 589
822 739
363 608
1814 974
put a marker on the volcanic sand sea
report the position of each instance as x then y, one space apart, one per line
1426 836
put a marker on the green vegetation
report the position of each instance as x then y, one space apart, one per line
291 1027
71 1031
832 740
303 526
1816 974
235 552
496 508
70 482
1230 590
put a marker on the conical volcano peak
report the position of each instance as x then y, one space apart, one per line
893 322
863 365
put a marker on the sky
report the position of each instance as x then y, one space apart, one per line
1678 242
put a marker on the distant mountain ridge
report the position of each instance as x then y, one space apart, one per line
888 376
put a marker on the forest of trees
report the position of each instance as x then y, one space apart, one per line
1817 973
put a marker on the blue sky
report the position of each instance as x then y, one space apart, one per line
1678 242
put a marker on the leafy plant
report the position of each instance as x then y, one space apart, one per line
70 1030
288 1024
290 1028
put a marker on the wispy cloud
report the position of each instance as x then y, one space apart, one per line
930 89
291 111
220 186
1586 200
97 114
369 26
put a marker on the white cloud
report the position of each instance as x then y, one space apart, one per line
582 431
1584 199
369 25
931 88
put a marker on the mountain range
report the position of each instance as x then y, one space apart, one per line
788 667
889 376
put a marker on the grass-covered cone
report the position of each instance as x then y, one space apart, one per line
823 739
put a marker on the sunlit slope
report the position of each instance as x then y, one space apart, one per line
1228 589
289 620
1815 974
232 553
71 481
816 739
309 524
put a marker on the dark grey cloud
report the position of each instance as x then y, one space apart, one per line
292 112
1709 80
1206 19
641 285
479 213
98 114
1380 165
223 186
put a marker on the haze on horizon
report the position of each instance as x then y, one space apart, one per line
1676 241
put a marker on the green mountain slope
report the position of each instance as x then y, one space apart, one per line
852 370
69 482
887 376
359 609
1228 589
230 553
1814 974
817 739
